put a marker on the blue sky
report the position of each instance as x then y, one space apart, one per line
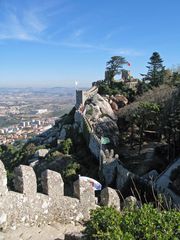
51 43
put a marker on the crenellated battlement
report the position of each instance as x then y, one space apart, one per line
82 96
28 207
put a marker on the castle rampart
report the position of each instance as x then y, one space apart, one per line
26 206
92 140
82 96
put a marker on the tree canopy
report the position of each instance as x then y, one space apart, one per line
155 73
114 66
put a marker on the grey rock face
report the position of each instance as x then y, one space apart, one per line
151 176
103 105
62 134
105 126
109 197
113 170
123 176
41 153
130 202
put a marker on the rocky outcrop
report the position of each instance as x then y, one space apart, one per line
41 153
105 126
102 118
119 100
113 170
103 105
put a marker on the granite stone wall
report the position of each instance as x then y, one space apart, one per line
25 206
82 96
91 139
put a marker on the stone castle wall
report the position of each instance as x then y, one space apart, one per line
80 119
92 140
82 96
25 206
95 145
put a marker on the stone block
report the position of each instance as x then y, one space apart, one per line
52 183
84 191
109 197
130 202
25 180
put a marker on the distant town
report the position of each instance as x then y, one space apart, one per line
27 112
25 130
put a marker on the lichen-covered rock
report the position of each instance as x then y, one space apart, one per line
92 112
41 153
103 105
130 202
105 126
27 207
25 180
109 197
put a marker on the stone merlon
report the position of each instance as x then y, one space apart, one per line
28 207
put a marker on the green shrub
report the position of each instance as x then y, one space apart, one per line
104 224
90 111
67 145
146 223
71 169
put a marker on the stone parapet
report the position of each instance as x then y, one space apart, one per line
28 207
82 96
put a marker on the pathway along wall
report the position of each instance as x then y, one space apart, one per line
27 207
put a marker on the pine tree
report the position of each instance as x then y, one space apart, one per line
114 67
156 70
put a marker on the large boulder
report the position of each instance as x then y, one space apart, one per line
120 100
107 127
104 106
92 112
41 153
123 176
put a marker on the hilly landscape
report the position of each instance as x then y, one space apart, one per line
89 120
125 136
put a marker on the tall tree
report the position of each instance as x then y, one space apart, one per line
155 74
114 67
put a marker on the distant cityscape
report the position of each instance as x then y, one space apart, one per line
25 113
25 130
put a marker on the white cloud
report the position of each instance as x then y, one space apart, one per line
34 22
24 24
